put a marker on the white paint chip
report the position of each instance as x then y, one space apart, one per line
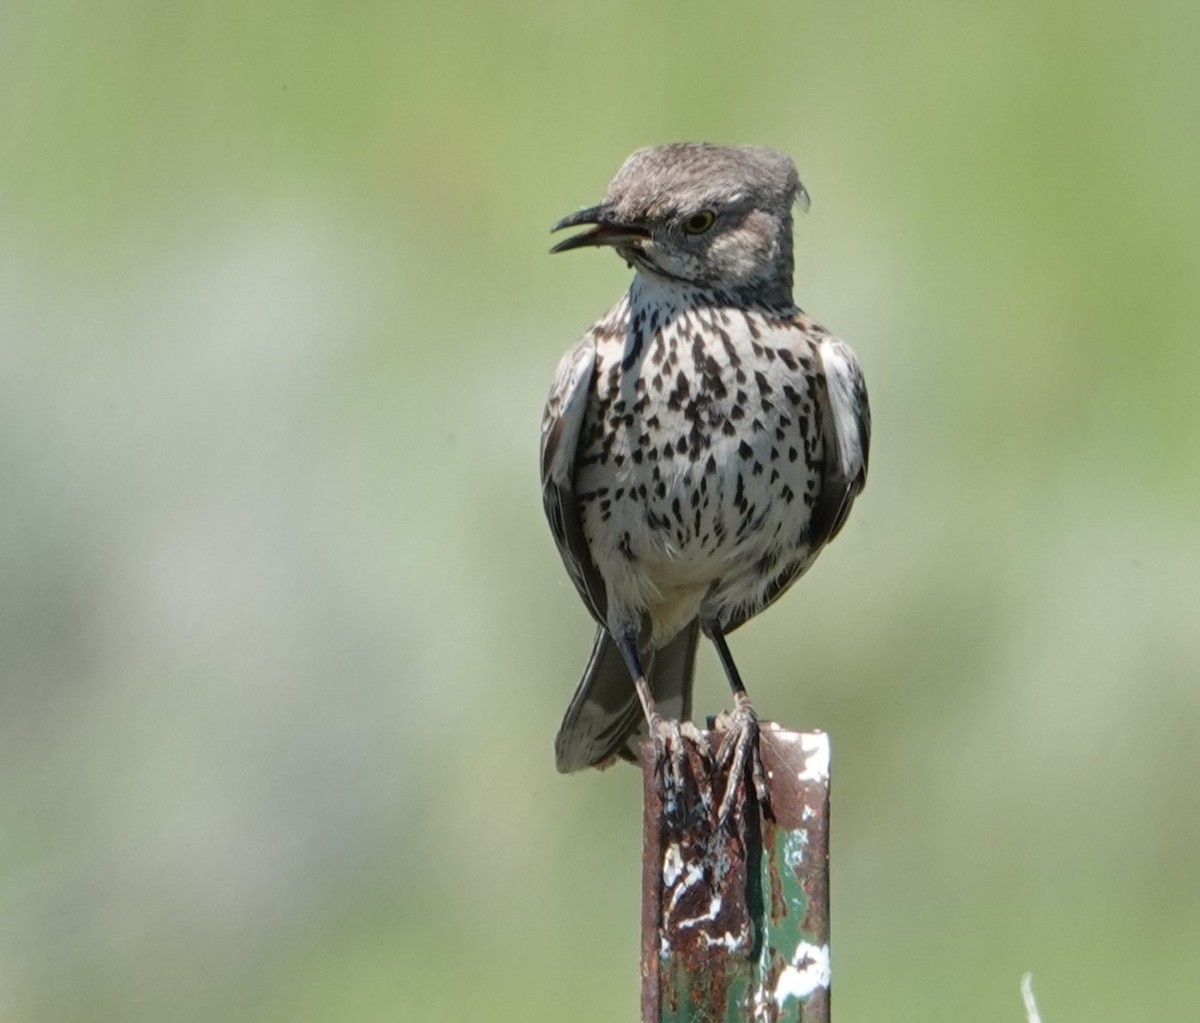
816 754
795 848
672 865
809 969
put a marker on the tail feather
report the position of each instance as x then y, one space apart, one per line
605 717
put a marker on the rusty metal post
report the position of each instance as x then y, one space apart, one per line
735 916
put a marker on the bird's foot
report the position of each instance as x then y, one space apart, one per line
683 765
738 751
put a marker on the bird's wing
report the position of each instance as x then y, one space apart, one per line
846 425
562 424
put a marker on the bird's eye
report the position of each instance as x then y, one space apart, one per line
700 222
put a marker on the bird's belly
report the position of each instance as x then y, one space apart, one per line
667 526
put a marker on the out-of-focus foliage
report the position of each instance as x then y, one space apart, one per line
284 640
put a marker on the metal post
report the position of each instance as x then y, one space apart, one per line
735 916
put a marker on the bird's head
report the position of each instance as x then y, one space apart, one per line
700 214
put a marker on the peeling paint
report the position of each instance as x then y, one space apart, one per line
794 850
809 969
672 865
816 751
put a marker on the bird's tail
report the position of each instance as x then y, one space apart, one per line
605 717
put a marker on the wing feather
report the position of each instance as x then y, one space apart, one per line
562 425
846 425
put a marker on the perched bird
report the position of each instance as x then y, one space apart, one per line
701 443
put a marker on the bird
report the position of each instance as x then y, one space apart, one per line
701 443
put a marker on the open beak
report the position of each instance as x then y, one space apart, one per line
606 231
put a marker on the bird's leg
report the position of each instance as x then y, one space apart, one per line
740 741
667 736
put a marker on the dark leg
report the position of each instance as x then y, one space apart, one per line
627 644
740 725
714 633
670 754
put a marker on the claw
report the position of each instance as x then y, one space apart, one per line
683 763
739 749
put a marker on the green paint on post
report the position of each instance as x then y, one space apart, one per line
735 918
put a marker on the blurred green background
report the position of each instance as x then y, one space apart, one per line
284 640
